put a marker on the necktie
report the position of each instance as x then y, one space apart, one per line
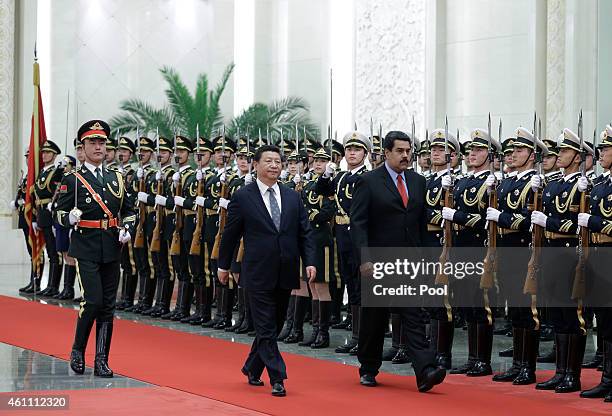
99 176
274 209
402 190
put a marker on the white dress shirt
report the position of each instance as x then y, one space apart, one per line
263 190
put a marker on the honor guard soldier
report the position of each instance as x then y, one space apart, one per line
243 177
110 160
356 148
337 151
468 217
19 204
312 146
92 200
378 153
424 158
184 185
512 216
42 221
599 221
442 325
561 202
146 277
62 238
551 170
224 149
126 150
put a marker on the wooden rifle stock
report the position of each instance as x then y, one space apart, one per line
159 211
441 276
175 247
240 254
139 240
196 242
222 217
578 287
487 280
533 267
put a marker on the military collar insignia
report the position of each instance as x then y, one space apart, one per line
517 192
564 194
473 189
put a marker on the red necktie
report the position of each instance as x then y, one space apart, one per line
402 190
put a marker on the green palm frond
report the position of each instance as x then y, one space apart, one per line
181 101
215 118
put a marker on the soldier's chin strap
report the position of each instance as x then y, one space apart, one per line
577 153
527 159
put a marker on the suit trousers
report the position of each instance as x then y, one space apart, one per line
268 310
374 323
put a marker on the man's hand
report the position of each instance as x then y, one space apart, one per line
493 214
179 200
248 179
284 174
539 218
50 207
199 175
447 182
536 182
74 217
448 213
583 219
297 178
200 201
366 269
140 173
330 168
158 175
35 227
160 200
311 273
142 197
124 236
223 276
176 177
583 184
223 203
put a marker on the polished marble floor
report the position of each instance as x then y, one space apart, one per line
21 369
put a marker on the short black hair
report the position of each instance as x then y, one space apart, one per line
392 136
266 148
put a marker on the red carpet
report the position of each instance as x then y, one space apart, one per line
210 367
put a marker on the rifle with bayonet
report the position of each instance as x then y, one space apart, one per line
196 242
139 240
159 210
222 211
578 287
537 232
298 186
487 280
414 150
175 246
447 243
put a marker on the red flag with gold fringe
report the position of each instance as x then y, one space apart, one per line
38 135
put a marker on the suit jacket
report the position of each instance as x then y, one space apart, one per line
378 216
271 258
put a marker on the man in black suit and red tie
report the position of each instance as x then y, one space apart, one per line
276 233
388 210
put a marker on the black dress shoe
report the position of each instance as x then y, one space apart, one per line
389 353
368 380
401 357
77 361
508 352
278 390
253 381
431 376
346 348
354 350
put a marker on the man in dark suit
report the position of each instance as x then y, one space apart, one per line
273 224
388 210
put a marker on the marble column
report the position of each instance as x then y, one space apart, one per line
555 68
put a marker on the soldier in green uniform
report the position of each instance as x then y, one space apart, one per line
560 220
92 200
146 277
599 221
110 161
424 158
340 186
42 221
468 218
126 150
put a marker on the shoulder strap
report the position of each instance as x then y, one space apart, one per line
95 195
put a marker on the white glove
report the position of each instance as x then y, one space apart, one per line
60 163
35 227
223 203
306 176
583 219
121 170
493 214
176 177
248 178
179 200
297 178
490 181
20 202
160 200
75 216
142 196
536 182
200 201
330 168
199 175
539 218
50 206
158 176
124 236
139 173
12 205
447 182
499 175
284 174
222 177
448 213
583 183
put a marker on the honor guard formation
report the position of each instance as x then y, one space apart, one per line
141 234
